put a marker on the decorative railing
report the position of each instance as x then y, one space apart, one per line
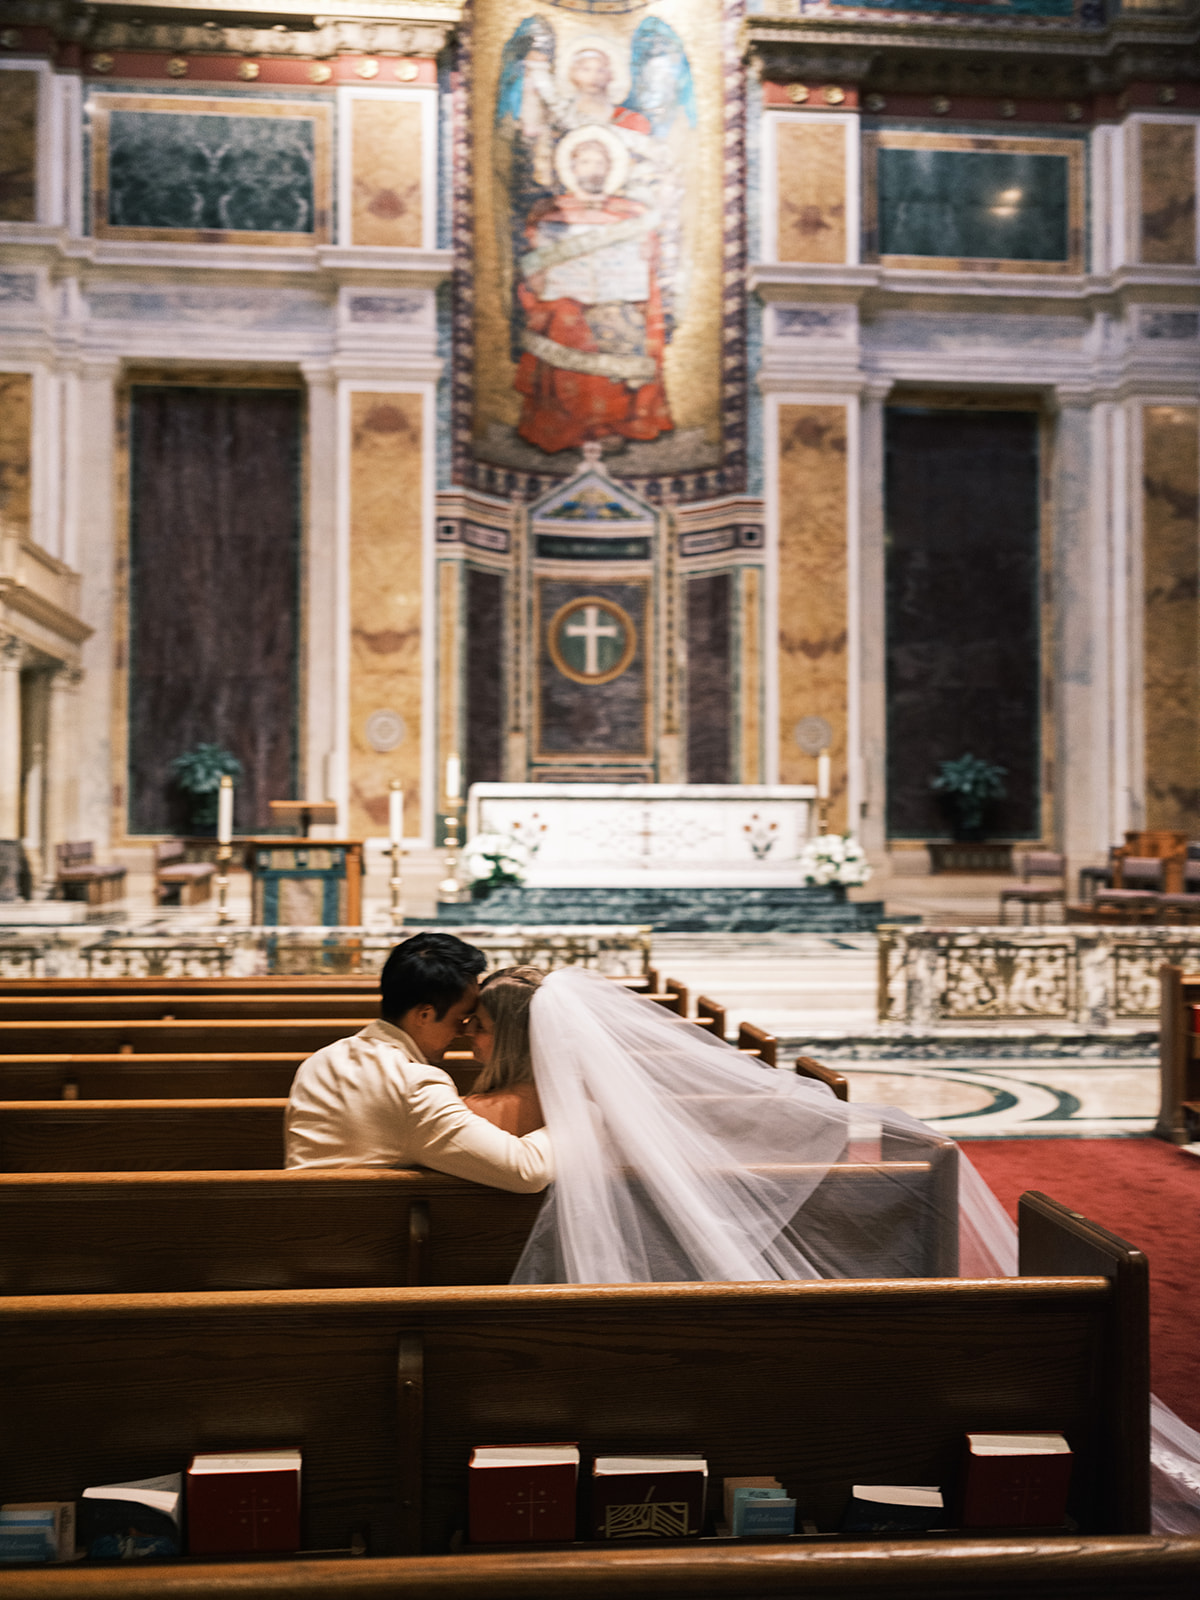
1090 978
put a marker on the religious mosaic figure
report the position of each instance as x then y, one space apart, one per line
595 189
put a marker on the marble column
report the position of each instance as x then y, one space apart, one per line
1079 778
61 773
871 823
11 656
101 770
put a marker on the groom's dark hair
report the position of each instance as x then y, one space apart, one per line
430 969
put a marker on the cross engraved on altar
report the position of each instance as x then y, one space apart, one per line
591 632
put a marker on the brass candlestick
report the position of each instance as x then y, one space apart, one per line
397 853
450 891
224 856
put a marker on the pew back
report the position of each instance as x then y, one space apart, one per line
139 1037
227 1076
149 1232
1178 1062
387 1391
255 1006
140 1135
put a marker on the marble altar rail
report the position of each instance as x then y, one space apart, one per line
1069 978
242 952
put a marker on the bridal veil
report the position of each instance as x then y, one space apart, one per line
678 1158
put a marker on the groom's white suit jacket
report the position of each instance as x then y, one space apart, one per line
374 1101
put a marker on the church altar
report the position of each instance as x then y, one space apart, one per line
650 835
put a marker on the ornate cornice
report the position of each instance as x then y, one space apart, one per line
409 28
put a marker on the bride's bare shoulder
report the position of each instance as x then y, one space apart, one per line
515 1111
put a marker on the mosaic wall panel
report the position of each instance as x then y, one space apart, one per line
214 583
386 204
210 170
386 562
813 443
615 125
810 189
958 202
962 649
1171 625
485 718
16 412
609 715
18 146
1167 152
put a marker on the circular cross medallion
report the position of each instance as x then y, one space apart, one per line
592 640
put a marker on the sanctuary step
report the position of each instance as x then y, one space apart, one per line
822 909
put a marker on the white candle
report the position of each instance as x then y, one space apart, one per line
225 810
453 777
823 776
396 812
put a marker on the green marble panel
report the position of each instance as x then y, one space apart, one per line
251 174
973 204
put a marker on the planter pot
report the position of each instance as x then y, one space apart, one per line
994 860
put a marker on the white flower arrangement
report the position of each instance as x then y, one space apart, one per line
834 858
495 858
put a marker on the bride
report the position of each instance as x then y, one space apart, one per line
678 1158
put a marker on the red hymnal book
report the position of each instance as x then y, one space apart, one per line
522 1494
1016 1480
239 1504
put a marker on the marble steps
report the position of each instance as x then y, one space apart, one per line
724 910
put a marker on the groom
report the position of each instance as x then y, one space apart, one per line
374 1100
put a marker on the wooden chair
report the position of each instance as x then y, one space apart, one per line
1036 864
178 881
1178 1058
80 878
386 1391
1132 860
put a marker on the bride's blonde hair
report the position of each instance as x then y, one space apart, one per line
506 997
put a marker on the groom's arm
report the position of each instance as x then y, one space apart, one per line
445 1135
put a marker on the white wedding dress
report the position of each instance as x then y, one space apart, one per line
679 1159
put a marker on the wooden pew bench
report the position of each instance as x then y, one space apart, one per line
1038 1567
357 1009
267 983
386 1391
148 1231
1178 1056
140 1135
227 1076
301 1035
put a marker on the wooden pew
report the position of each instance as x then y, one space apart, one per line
268 983
140 1135
220 1036
1178 1055
386 1391
806 1067
229 1076
148 1232
757 1042
713 1013
176 1007
1038 1567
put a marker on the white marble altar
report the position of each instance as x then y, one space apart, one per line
650 836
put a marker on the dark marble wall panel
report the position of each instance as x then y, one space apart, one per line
485 675
214 624
18 146
248 174
973 204
962 610
593 719
709 678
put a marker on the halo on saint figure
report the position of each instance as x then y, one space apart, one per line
618 64
591 133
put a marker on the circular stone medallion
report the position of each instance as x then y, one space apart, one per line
385 730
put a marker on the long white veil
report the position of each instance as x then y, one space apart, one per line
678 1158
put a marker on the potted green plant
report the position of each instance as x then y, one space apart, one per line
197 774
968 786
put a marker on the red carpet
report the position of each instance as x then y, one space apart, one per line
1149 1193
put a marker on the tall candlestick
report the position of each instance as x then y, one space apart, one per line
823 776
453 777
225 810
224 844
396 812
396 831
